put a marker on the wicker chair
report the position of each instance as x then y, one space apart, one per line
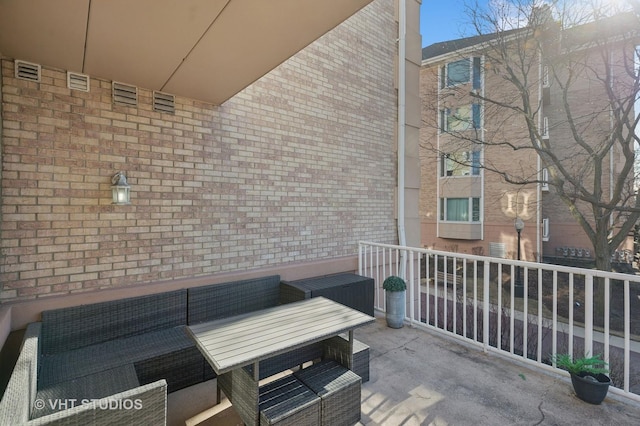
287 401
339 389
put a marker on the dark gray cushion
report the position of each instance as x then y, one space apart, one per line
217 301
92 359
78 326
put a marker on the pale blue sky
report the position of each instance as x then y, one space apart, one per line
442 20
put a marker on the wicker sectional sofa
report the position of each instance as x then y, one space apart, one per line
114 362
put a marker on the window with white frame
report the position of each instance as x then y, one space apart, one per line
545 76
545 128
460 209
458 72
477 72
462 71
544 179
461 118
545 229
462 163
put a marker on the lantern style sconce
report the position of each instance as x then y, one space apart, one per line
120 189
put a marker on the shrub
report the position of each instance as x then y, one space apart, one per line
588 365
394 283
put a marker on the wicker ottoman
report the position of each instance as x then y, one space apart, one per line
339 389
287 401
337 348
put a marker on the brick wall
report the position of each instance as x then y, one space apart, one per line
299 166
501 200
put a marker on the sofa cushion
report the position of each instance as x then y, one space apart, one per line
217 301
92 359
78 326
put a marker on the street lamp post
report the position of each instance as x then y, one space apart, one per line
518 289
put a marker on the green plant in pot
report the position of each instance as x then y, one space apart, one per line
588 376
395 289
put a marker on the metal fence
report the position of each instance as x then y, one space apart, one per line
524 310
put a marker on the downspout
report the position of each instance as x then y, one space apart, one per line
402 47
539 162
612 150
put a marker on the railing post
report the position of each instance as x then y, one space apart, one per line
588 315
412 280
485 305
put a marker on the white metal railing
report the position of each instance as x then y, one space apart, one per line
568 310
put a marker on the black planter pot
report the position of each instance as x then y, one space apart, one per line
591 388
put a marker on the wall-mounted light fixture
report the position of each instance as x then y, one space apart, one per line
120 189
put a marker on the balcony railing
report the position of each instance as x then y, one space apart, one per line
528 311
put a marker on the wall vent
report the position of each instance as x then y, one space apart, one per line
77 81
27 71
164 102
497 250
123 94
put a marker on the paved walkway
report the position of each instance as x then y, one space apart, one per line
421 378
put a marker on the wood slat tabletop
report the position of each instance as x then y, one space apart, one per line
241 340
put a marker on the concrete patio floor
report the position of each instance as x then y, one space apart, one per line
422 378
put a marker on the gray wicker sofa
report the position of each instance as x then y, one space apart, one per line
120 349
134 349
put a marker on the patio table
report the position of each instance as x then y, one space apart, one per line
229 344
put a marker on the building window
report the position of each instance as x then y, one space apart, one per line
460 209
545 229
475 210
475 116
468 70
544 180
477 74
463 163
458 72
545 128
475 163
462 118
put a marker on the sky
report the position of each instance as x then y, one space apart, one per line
442 20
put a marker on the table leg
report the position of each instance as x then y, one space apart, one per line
350 349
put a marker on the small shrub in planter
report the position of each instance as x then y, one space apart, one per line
395 291
588 376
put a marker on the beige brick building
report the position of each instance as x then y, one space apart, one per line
472 150
283 176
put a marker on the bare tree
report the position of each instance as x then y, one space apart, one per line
576 66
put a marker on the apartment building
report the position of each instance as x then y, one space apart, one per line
486 147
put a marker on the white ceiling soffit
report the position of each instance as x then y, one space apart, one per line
202 49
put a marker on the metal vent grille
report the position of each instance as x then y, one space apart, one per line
77 81
124 94
163 102
27 71
497 250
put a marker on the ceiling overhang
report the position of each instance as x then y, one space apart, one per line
202 49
